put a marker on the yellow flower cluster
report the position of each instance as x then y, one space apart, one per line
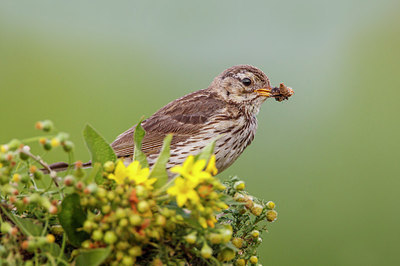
132 172
195 188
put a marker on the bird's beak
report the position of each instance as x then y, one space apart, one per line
266 92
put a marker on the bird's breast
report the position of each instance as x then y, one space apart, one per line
233 142
233 136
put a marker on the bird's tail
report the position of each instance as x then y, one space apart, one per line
62 166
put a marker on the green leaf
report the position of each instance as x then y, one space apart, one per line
138 136
159 170
207 151
92 257
71 218
54 249
27 226
96 175
100 150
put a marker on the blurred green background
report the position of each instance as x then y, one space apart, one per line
329 157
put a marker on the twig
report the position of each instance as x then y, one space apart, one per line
53 174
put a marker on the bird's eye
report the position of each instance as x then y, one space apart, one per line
246 82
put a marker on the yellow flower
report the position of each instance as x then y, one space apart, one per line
55 142
120 173
193 171
207 222
132 172
202 222
211 168
3 148
184 191
140 176
16 178
211 222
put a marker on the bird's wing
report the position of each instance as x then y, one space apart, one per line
183 118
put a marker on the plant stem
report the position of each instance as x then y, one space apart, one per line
52 173
34 139
62 247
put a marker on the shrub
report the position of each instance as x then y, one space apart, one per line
123 213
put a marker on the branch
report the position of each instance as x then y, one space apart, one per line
53 174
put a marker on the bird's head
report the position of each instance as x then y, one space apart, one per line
243 85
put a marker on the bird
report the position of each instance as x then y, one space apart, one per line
225 111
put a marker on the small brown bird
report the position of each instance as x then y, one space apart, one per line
226 109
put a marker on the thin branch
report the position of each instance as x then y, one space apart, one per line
53 174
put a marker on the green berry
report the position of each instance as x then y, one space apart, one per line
35 198
109 166
226 235
135 220
239 197
104 226
123 222
119 190
47 145
69 180
68 146
91 188
272 215
110 237
141 192
122 245
226 254
111 195
135 251
256 209
253 259
106 209
119 255
206 251
3 250
3 179
14 144
86 244
237 242
62 137
127 260
47 125
5 228
191 238
88 226
57 230
143 206
215 238
240 262
25 179
23 156
161 220
38 175
239 185
255 233
120 213
270 205
170 226
42 241
97 235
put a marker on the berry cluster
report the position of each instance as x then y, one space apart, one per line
123 210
